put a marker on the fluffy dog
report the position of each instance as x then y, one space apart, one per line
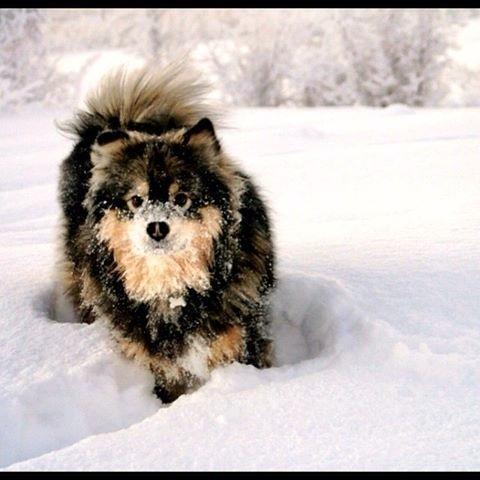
162 235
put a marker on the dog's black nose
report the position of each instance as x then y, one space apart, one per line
158 230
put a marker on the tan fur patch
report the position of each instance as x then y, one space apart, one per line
247 289
201 139
173 136
173 189
100 162
77 288
228 347
68 279
192 363
68 282
141 188
148 276
198 359
135 350
90 290
102 151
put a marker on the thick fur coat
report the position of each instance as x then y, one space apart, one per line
162 235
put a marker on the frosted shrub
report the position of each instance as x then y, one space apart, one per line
396 56
27 73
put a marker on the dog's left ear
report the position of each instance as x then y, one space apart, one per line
202 133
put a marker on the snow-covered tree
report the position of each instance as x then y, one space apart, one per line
416 53
396 56
230 54
319 70
20 54
27 72
255 57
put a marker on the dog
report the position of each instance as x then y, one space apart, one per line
162 235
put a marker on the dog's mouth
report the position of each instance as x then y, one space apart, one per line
166 246
159 248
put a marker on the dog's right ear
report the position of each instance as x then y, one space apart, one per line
110 136
107 144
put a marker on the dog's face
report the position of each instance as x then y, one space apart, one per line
157 204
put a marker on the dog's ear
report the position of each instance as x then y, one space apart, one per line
109 136
108 143
202 134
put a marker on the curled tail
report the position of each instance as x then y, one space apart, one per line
147 99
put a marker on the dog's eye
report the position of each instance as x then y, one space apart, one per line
135 202
181 199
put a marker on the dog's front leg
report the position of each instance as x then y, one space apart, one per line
172 381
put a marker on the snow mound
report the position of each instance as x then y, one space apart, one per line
102 394
311 316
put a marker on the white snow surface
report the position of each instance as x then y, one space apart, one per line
376 318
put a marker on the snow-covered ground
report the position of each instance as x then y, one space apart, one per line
376 319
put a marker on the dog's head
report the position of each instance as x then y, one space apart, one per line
158 203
